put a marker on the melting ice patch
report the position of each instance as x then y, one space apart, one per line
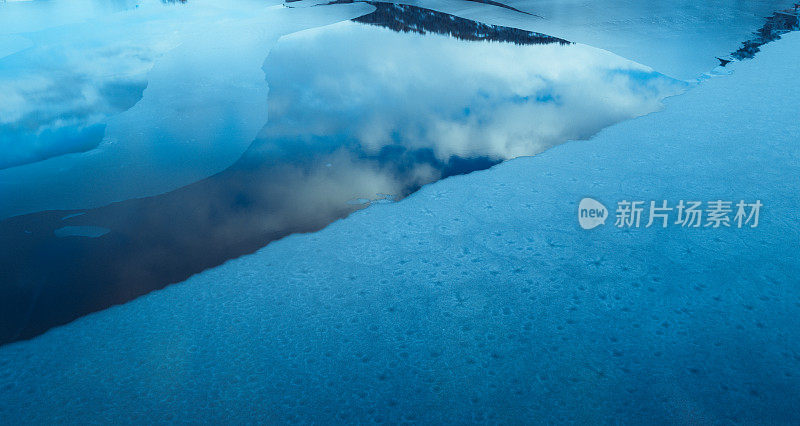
58 95
203 105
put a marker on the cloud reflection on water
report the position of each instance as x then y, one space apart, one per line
355 111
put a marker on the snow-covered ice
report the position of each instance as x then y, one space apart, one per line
479 298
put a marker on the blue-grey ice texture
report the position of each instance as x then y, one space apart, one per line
479 299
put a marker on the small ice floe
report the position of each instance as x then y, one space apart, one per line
81 231
69 216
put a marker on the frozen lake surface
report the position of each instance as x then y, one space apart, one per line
370 109
138 149
479 299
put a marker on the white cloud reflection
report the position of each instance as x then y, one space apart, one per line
375 87
348 85
355 111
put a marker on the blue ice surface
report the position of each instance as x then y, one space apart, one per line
479 299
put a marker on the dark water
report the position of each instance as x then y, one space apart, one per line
776 25
359 112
